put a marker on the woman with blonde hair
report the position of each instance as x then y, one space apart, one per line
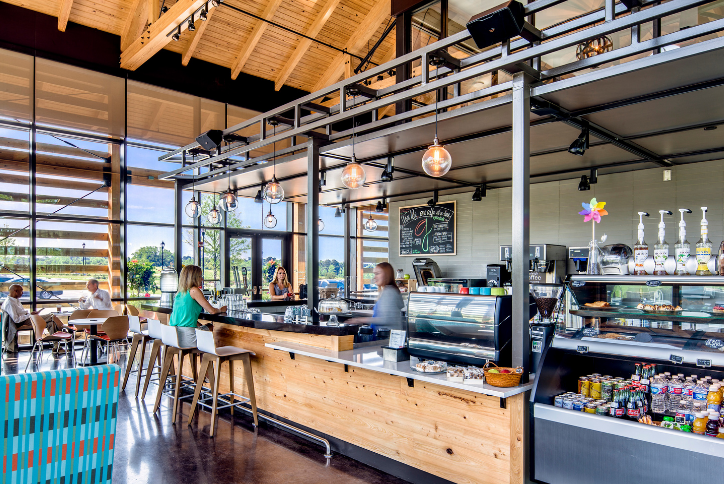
188 303
280 288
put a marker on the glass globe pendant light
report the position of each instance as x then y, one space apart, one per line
270 221
227 202
193 208
436 161
214 216
320 222
273 191
353 175
370 224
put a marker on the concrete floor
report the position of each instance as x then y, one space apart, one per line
150 449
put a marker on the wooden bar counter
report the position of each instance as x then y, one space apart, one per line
458 434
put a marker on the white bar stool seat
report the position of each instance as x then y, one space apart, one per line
169 337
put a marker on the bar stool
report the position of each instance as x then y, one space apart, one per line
169 336
157 347
211 355
140 337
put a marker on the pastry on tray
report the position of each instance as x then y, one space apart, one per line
598 304
718 309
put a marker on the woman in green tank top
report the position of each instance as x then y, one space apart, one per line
187 305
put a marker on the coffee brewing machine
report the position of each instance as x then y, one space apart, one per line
547 262
579 257
425 269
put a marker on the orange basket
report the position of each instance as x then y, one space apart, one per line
503 380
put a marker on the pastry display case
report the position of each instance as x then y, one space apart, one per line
640 345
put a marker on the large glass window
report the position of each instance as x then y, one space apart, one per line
15 153
14 255
150 248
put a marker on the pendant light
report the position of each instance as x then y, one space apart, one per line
320 222
193 208
370 224
353 175
270 221
273 191
214 216
227 202
436 161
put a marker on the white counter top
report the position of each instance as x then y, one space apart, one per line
370 358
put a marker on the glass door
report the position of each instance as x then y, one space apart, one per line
271 258
253 259
240 264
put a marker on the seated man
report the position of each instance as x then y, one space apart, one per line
98 298
20 319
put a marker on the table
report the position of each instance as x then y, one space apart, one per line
93 323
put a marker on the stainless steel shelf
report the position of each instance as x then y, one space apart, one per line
632 280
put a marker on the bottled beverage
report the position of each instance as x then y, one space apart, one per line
703 247
632 411
689 391
683 414
676 389
720 435
699 426
713 399
721 258
641 248
682 248
658 395
712 425
661 248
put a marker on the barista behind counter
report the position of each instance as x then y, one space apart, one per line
388 308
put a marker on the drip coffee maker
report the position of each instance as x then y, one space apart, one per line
541 332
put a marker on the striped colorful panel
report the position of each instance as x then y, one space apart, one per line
58 427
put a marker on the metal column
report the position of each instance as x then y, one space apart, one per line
347 250
178 226
312 258
521 220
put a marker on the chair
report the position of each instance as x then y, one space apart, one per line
114 330
94 313
132 310
154 332
140 337
120 309
212 360
4 321
169 336
38 329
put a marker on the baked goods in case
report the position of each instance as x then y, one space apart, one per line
598 304
431 366
718 309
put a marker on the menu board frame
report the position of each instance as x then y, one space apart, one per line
455 230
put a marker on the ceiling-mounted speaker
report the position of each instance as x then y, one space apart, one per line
211 139
500 24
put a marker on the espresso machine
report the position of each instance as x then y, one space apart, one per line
579 257
547 262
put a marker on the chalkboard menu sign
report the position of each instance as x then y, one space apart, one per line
426 230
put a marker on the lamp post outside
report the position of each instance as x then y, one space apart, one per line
162 246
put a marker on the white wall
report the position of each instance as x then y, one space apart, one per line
483 226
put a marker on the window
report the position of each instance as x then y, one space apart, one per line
146 259
14 255
14 182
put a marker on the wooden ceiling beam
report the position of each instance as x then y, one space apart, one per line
157 36
64 13
135 23
196 37
254 38
363 33
305 43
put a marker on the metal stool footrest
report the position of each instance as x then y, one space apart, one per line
224 399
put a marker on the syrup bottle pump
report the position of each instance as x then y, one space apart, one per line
682 249
703 247
641 249
661 248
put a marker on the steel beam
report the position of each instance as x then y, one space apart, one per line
312 262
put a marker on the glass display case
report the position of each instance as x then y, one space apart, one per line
631 362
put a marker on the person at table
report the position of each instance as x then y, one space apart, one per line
187 305
97 298
280 289
388 308
20 319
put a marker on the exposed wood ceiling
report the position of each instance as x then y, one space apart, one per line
239 41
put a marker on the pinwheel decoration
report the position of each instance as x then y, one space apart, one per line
593 211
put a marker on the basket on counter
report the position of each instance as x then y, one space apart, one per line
503 380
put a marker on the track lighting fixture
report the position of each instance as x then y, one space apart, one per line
380 78
381 205
177 35
203 14
386 175
433 201
192 27
164 9
216 3
337 213
587 181
322 181
259 198
580 145
480 193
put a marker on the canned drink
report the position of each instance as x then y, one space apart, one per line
586 388
607 390
580 382
590 408
558 401
578 406
603 410
596 389
606 377
596 375
568 403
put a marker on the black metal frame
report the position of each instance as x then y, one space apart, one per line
257 238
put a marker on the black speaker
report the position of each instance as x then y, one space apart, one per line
211 139
497 24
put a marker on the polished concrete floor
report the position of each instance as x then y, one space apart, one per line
150 449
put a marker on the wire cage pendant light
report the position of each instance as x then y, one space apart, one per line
370 224
437 160
273 191
353 175
214 216
270 221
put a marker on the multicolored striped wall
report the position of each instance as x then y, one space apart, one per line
58 427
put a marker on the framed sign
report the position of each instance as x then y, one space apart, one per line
426 230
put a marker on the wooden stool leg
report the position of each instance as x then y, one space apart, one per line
179 376
155 354
167 361
197 391
129 361
194 369
215 393
210 375
231 385
140 364
250 386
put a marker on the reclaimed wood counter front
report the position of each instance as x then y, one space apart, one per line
455 434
